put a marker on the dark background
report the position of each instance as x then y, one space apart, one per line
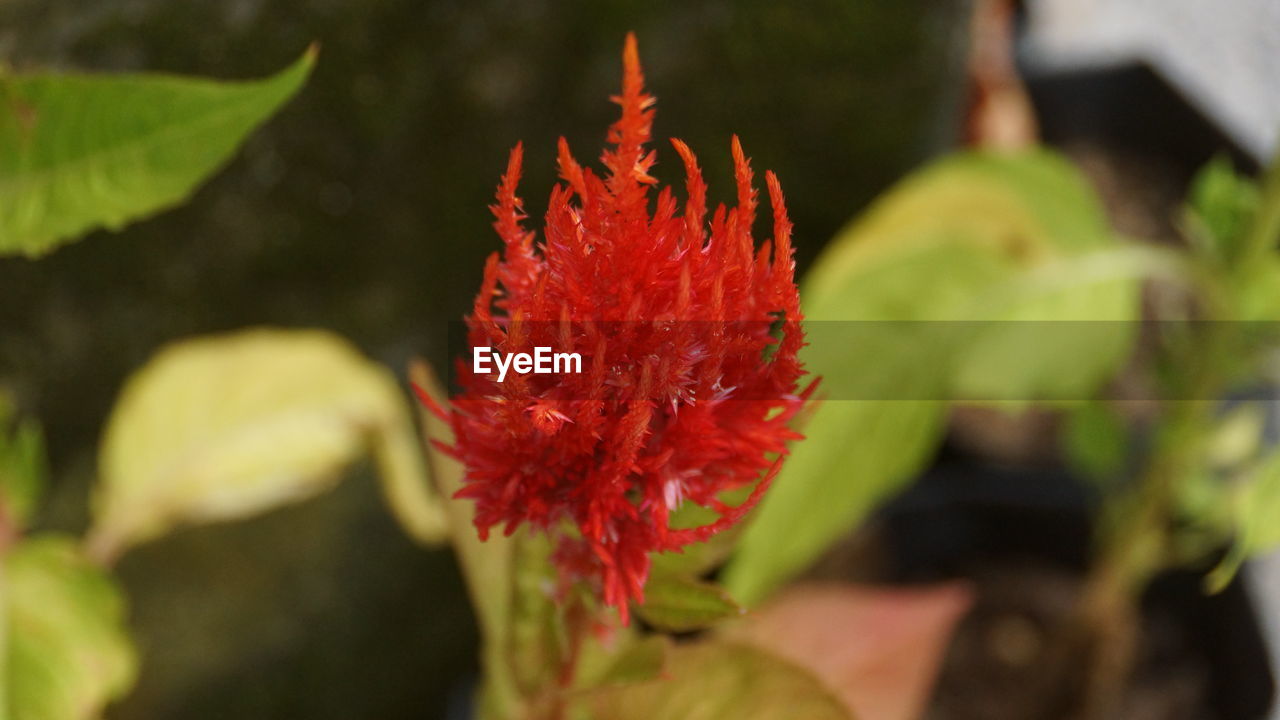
363 208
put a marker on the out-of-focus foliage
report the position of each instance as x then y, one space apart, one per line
715 679
224 427
1096 441
79 152
1233 491
1219 208
906 311
1254 507
67 653
22 468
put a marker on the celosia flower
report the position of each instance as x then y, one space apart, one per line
688 383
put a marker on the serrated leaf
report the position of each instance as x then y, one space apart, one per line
676 604
68 652
79 151
227 426
712 680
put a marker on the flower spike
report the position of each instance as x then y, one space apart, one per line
684 389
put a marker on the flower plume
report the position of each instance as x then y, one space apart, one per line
688 334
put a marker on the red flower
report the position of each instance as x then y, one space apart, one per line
688 343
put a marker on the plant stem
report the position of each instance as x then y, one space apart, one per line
577 624
1137 528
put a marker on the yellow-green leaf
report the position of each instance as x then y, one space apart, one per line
80 151
714 680
637 659
68 653
227 426
677 604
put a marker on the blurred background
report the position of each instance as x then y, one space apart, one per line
362 208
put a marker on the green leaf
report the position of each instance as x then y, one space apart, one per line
711 680
1255 507
1221 204
227 426
1096 441
675 604
640 659
68 653
1237 436
854 455
78 152
907 311
23 468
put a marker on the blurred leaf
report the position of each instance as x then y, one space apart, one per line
1221 204
640 659
23 468
1057 345
675 604
711 680
1237 436
227 426
1096 440
1254 510
1063 321
1258 296
68 651
907 310
79 152
855 454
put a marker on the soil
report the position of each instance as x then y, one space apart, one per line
1002 663
1022 537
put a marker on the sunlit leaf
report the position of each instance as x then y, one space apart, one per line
226 426
78 152
68 653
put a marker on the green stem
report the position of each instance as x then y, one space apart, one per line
1136 538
